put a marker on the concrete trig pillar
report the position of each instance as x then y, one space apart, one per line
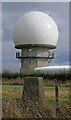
33 91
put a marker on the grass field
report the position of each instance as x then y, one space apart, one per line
12 95
15 92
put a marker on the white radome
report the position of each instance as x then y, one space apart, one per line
36 28
66 69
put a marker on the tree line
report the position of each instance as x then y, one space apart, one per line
11 75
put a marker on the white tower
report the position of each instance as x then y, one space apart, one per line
35 33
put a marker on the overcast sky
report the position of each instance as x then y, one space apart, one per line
12 11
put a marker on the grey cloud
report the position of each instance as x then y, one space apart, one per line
11 66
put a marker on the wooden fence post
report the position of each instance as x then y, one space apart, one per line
57 96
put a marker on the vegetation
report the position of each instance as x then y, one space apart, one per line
12 95
60 77
14 92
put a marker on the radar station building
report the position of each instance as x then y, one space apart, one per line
36 34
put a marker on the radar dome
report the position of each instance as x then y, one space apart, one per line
35 29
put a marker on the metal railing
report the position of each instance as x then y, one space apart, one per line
49 55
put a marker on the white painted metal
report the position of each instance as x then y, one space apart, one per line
36 28
53 70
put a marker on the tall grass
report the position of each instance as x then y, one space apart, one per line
12 103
